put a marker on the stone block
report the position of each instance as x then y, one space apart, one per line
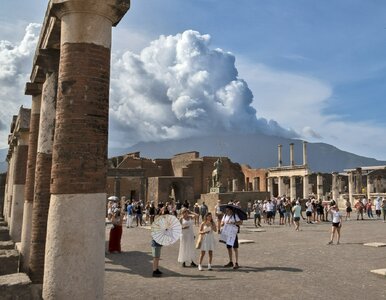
15 286
3 223
9 262
4 234
7 245
256 230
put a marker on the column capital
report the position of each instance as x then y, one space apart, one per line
113 10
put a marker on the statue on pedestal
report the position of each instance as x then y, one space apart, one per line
216 174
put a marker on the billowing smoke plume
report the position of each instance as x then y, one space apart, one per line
15 68
179 87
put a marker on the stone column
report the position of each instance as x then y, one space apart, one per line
75 247
370 185
306 187
351 190
9 183
35 91
117 187
358 186
305 158
281 186
21 155
335 187
280 155
293 187
256 184
229 185
270 186
319 186
292 159
235 186
42 195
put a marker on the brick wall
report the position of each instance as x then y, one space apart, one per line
80 142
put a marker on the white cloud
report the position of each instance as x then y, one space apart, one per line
180 87
15 67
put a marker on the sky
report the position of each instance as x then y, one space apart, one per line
313 70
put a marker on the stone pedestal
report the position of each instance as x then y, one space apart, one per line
218 190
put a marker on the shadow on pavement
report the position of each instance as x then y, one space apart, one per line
141 263
262 269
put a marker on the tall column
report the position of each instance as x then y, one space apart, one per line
293 187
351 190
358 186
280 155
305 158
256 184
270 186
370 185
229 185
335 187
74 262
292 158
8 190
21 155
117 187
306 187
235 185
319 186
281 186
42 194
35 91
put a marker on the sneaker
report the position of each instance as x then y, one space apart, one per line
209 267
183 265
193 264
229 265
157 274
329 243
199 267
236 266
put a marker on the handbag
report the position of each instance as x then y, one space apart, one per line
199 241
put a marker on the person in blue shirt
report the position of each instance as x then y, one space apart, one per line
129 218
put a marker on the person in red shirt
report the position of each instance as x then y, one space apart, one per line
359 208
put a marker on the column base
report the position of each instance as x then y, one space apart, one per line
75 247
26 236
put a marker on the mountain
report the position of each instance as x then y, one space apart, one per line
256 150
3 163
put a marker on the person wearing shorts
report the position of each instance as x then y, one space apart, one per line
336 224
156 253
297 211
232 218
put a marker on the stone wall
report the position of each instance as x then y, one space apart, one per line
212 198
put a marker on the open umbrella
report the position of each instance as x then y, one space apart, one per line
236 210
113 198
166 230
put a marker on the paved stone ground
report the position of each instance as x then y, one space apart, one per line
281 264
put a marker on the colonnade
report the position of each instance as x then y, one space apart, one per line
55 193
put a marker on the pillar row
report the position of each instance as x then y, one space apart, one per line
75 242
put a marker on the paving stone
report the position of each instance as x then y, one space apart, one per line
375 244
246 241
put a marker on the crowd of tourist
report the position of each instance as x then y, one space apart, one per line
280 210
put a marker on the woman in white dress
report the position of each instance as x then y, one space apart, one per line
207 227
187 250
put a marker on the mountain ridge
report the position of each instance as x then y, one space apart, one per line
256 150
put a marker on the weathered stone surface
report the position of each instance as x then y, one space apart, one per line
7 245
9 262
4 233
3 223
15 286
